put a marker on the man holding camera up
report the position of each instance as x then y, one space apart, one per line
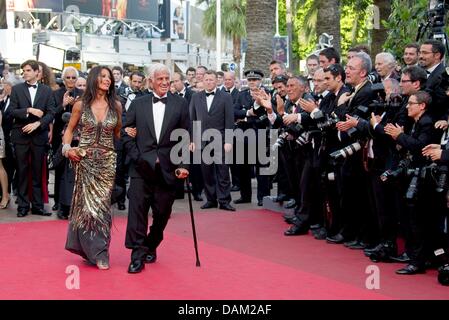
423 200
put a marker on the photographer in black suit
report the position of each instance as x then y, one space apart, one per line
152 171
354 197
33 107
425 205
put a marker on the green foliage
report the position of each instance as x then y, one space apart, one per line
403 24
354 15
233 18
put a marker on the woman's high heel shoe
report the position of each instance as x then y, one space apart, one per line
4 206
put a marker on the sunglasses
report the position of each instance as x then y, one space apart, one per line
70 78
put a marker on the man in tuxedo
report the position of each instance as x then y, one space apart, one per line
213 109
179 84
33 108
153 174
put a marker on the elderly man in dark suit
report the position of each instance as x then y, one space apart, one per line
153 173
213 109
32 107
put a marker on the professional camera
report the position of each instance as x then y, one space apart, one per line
384 103
295 132
434 26
347 151
402 169
362 112
325 121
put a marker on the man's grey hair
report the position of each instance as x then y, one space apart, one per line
388 58
367 65
68 69
157 67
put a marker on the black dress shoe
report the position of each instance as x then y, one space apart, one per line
350 243
121 206
260 203
410 269
358 245
40 212
62 216
296 230
291 220
151 257
22 213
290 205
55 207
337 239
404 258
136 266
235 188
281 198
209 205
242 200
227 207
320 234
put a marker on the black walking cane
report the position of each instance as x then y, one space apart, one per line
189 194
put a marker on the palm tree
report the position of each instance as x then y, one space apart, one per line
260 27
380 35
232 22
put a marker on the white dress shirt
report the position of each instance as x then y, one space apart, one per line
158 116
210 99
7 100
33 92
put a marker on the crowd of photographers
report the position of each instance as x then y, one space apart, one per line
363 153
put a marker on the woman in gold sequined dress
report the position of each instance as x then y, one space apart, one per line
98 116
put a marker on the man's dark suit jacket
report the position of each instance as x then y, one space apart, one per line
144 150
234 94
438 109
220 115
20 101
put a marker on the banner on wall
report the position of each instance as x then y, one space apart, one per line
178 19
280 49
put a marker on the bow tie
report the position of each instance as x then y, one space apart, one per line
156 100
181 95
31 85
320 97
210 93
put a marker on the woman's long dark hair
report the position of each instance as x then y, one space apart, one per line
92 88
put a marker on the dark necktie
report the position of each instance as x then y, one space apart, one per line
156 100
181 95
31 85
210 93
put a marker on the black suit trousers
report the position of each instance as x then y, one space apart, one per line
23 152
144 194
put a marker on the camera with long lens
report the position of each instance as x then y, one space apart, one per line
280 141
346 151
384 103
401 170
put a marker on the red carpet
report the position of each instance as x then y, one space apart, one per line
243 255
